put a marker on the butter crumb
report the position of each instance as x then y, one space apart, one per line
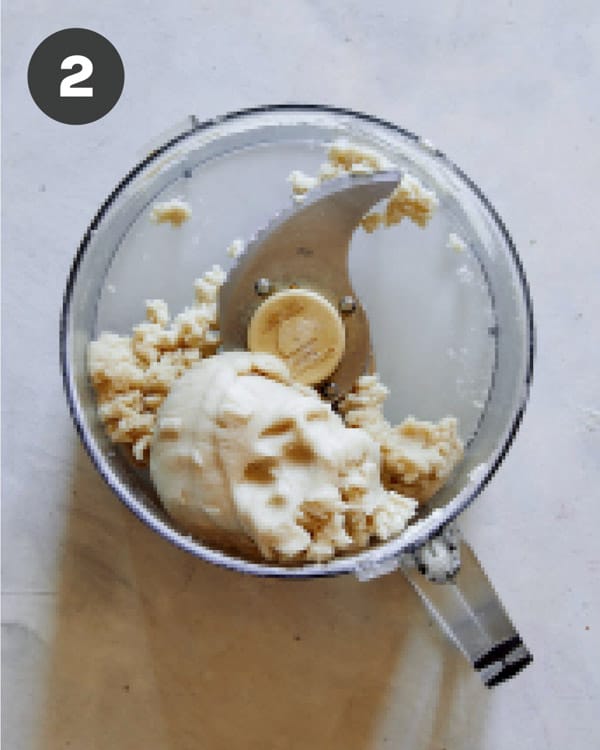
236 249
301 183
371 222
456 243
174 211
157 312
350 156
410 199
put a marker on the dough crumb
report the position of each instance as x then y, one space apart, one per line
174 211
236 249
133 374
301 183
456 243
157 312
411 199
371 222
417 456
353 157
327 171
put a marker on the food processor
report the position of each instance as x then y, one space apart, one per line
450 330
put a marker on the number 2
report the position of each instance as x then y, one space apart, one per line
66 85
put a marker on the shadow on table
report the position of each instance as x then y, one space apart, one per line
156 649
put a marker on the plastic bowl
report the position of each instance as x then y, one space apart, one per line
452 331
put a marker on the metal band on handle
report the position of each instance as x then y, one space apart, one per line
466 607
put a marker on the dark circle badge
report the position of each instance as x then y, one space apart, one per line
76 76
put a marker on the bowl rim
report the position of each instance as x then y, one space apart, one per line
337 565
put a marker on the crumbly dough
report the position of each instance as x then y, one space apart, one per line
417 457
133 374
411 199
174 211
348 156
241 452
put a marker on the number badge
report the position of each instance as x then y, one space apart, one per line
76 76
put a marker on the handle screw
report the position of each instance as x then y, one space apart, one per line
262 287
348 304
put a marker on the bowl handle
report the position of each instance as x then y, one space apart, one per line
450 581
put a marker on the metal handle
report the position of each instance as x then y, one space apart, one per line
450 581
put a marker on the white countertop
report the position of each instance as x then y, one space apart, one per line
111 638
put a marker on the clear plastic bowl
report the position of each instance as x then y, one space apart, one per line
452 331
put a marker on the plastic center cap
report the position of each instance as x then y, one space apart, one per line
303 329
